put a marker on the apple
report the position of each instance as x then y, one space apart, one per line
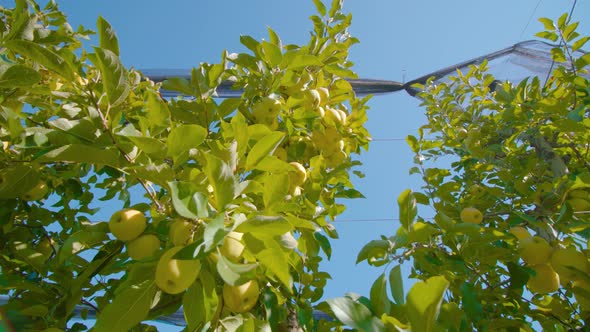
36 193
566 261
232 247
332 116
471 215
143 247
544 281
241 298
324 95
45 247
476 190
579 204
299 176
173 276
181 232
266 107
535 250
312 98
520 232
127 224
581 289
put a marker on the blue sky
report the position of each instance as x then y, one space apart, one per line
399 39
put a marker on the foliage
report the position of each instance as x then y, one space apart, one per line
520 155
78 128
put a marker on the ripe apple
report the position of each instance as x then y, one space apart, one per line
581 289
564 260
544 281
332 116
535 250
472 215
127 224
36 193
144 246
181 232
299 176
173 276
520 232
232 247
241 298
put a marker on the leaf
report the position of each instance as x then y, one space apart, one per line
376 249
269 226
320 7
113 75
43 56
396 284
130 306
214 232
276 187
200 301
149 145
19 76
158 114
17 181
107 36
222 179
178 84
379 300
324 243
83 239
423 303
82 154
277 263
471 303
187 201
272 53
235 274
407 208
355 314
264 147
183 138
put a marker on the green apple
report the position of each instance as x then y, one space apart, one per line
471 215
332 117
241 298
232 247
520 232
173 276
544 280
581 289
36 193
143 247
568 263
535 250
127 224
579 204
181 232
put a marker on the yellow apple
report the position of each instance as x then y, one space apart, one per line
581 290
332 116
36 193
181 232
471 215
127 224
565 258
241 298
299 176
343 116
173 276
232 247
544 281
535 250
143 247
520 232
312 99
324 95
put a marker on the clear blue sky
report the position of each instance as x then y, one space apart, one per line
398 39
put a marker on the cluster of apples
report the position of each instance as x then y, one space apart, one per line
553 265
174 276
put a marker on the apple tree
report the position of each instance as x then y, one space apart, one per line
497 236
227 204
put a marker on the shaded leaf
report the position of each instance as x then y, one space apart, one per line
423 303
41 55
264 147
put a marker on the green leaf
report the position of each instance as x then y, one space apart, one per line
200 301
214 232
276 187
222 179
271 53
178 84
250 43
374 250
149 145
235 274
17 76
187 200
324 243
320 7
423 303
43 56
407 208
413 143
396 284
379 299
278 263
113 75
264 147
547 23
355 314
107 36
81 153
158 114
130 306
86 238
298 61
183 138
269 226
471 303
16 181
